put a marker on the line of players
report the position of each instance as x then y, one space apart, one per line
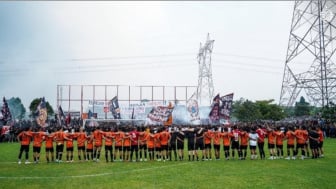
161 143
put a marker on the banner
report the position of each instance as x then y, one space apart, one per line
226 107
160 113
114 107
214 113
60 115
6 115
192 108
42 113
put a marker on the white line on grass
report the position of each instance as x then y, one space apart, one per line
96 175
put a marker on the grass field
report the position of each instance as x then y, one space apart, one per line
308 173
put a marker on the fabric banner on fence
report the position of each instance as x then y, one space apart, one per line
226 107
114 107
160 113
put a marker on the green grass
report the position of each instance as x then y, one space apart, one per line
310 173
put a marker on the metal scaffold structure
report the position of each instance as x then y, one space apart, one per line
310 61
205 88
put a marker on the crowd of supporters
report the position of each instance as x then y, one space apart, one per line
265 140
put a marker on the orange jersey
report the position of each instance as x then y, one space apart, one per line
108 138
38 139
81 138
98 138
217 137
119 138
69 143
127 140
157 140
25 137
208 137
279 137
271 137
60 137
244 137
150 140
49 141
226 138
290 135
300 136
164 137
320 132
89 145
143 137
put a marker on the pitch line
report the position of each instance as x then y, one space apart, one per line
95 175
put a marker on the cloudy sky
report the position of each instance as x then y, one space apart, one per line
43 44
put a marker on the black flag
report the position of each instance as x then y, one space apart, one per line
6 115
114 107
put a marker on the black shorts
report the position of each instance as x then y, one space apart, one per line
320 145
300 146
253 147
207 146
50 149
126 148
235 144
313 145
118 148
191 146
158 149
199 144
164 147
226 148
24 148
180 145
243 147
143 146
279 146
216 146
81 148
36 149
108 148
134 148
89 150
69 149
271 145
290 146
60 148
172 146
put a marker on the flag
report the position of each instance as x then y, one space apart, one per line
214 113
114 107
60 115
192 108
68 119
42 113
133 114
226 107
169 121
160 113
6 114
90 114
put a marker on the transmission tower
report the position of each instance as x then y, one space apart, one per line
205 88
310 60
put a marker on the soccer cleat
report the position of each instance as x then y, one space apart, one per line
19 162
288 158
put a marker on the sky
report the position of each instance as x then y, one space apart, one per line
45 44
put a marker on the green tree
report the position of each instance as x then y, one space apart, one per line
269 110
245 110
16 107
35 103
302 107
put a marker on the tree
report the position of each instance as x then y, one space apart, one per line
302 107
16 107
245 110
270 111
35 103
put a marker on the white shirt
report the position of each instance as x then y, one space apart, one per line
253 139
